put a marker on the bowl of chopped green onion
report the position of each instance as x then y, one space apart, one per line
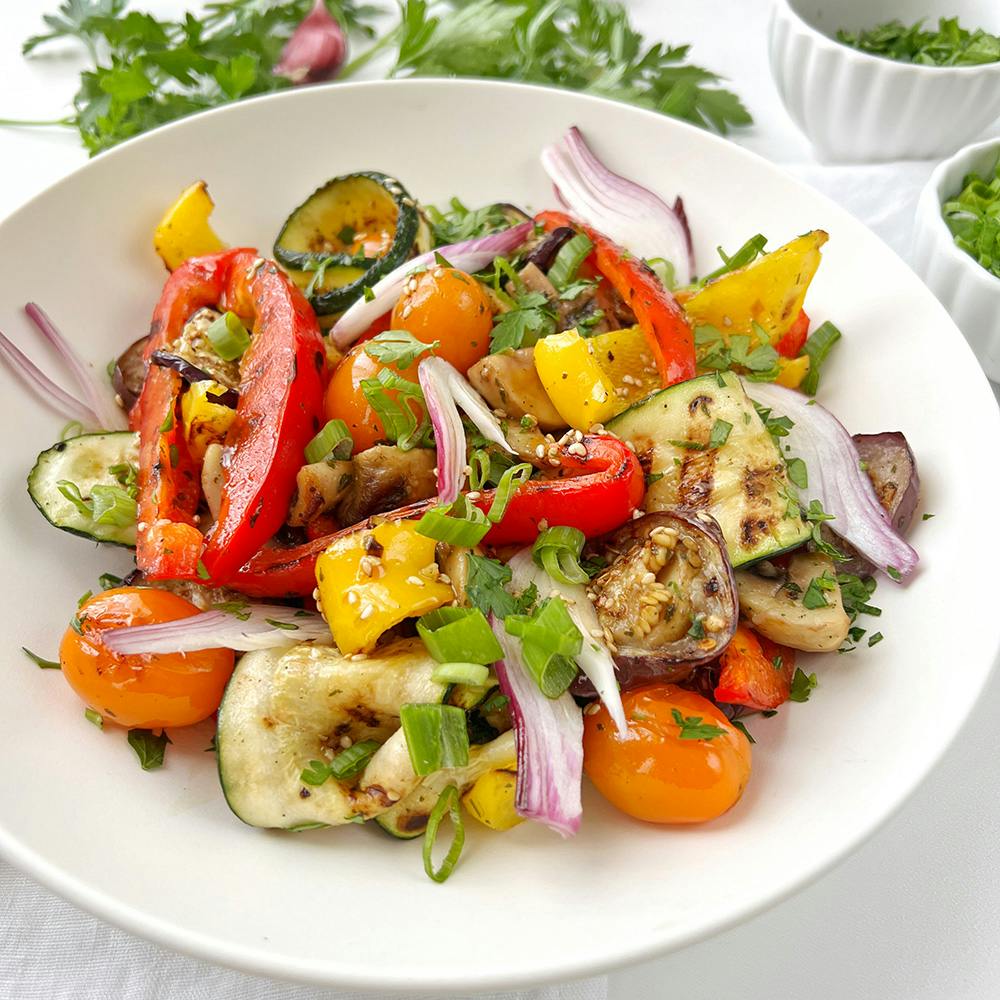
956 246
870 80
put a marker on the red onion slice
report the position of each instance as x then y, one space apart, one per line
97 396
630 214
244 628
51 394
837 480
470 255
595 659
445 390
548 735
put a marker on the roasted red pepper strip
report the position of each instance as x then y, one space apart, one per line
168 545
601 491
279 411
756 672
282 378
657 312
790 344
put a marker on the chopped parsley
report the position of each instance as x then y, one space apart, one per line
803 685
818 347
485 588
692 727
721 352
949 45
40 661
798 475
813 597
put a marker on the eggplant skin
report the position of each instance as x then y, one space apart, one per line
130 373
651 620
892 469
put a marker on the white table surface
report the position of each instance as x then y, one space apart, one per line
915 913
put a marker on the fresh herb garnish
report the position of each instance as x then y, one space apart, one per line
738 723
398 347
813 597
875 639
926 517
893 573
485 588
95 717
733 352
448 802
460 223
106 504
950 45
798 475
149 747
146 71
528 320
399 404
693 728
344 765
40 661
817 347
697 629
746 254
802 685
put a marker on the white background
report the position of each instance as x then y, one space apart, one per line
914 915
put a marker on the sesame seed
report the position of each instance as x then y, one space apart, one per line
636 514
431 570
554 462
444 578
141 526
118 399
366 612
407 309
359 656
473 494
553 450
578 435
345 741
597 633
577 449
540 451
352 597
649 578
414 581
315 593
593 708
543 525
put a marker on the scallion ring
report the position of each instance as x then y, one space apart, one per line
513 477
448 802
436 737
557 551
472 674
228 337
459 635
571 255
334 441
460 524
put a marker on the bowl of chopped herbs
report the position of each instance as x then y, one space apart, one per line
871 80
956 246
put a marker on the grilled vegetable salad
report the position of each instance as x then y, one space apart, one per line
439 509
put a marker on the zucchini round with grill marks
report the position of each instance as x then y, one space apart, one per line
706 448
347 235
86 462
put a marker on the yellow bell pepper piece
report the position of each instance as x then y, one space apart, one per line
793 371
184 230
770 291
371 580
580 391
625 358
206 421
491 799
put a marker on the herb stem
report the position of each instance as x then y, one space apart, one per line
388 39
41 123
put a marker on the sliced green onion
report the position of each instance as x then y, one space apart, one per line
95 717
436 737
571 255
353 760
459 635
474 674
818 345
112 505
228 336
513 477
72 493
460 524
334 441
40 661
549 641
448 802
557 551
479 468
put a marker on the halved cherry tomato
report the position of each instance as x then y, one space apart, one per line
791 342
448 305
756 672
148 690
657 774
345 399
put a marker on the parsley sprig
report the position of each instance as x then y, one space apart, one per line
693 727
146 71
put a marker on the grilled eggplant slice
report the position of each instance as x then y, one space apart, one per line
385 478
705 447
130 373
773 605
668 597
510 382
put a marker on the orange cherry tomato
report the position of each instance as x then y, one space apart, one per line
655 773
345 399
450 306
145 690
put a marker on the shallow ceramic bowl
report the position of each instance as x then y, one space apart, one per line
966 289
160 854
854 106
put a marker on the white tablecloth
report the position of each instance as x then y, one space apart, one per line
913 915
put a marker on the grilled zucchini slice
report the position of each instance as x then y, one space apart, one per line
356 228
87 461
742 482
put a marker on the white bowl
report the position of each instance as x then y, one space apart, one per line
161 854
965 288
858 107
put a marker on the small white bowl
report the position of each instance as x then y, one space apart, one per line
969 292
858 107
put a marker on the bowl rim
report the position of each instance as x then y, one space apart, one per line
931 200
257 961
869 58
